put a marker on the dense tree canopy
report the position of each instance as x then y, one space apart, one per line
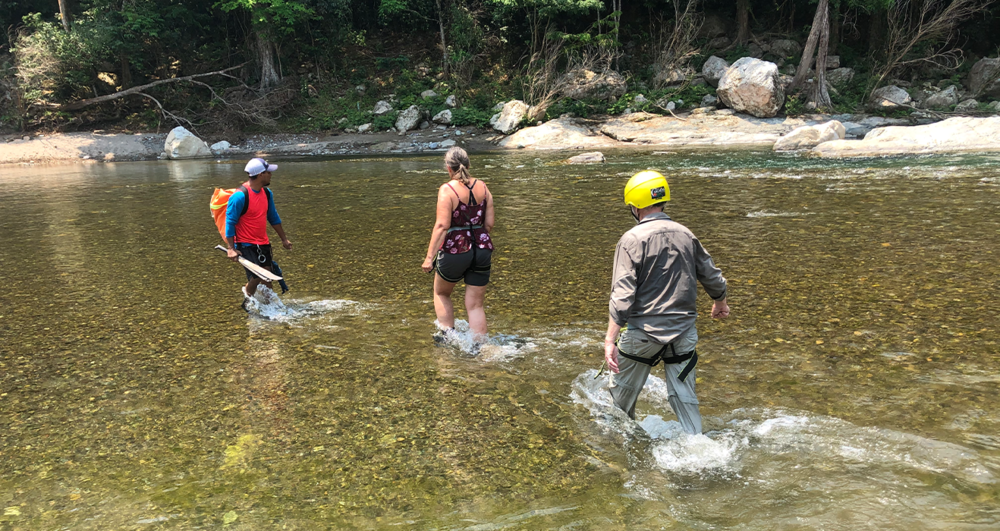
308 48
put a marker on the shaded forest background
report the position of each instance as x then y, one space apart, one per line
314 65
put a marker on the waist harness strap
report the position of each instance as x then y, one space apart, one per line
667 360
467 227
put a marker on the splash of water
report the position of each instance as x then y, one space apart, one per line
498 347
267 305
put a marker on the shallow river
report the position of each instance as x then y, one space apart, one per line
854 387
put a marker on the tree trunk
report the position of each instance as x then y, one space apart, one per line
444 45
126 78
876 33
821 97
64 14
269 75
807 54
835 23
743 21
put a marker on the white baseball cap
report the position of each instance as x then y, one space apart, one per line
257 166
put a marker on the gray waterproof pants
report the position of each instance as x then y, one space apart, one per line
631 377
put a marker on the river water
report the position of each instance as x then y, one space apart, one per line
854 387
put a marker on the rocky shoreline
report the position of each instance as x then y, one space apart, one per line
817 135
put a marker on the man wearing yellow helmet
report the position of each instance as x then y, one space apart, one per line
658 264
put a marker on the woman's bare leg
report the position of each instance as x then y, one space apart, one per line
474 297
442 302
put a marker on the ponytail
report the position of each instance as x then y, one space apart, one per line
457 160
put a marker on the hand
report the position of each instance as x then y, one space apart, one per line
428 265
286 244
611 355
720 310
232 254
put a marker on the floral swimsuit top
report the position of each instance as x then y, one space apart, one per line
467 225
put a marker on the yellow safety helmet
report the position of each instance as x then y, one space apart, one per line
646 188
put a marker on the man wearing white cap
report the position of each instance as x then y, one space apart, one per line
249 211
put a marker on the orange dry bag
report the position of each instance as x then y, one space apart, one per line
220 203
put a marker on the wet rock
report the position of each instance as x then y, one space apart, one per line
408 120
949 136
984 78
451 101
714 69
219 147
382 107
558 133
889 97
183 144
443 117
593 157
586 84
752 86
785 48
942 100
510 117
428 94
967 106
810 136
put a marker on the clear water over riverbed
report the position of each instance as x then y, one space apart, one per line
855 386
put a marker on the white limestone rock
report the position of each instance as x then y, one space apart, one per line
984 78
941 100
839 77
183 144
752 86
954 135
219 147
889 97
443 117
382 107
408 120
510 117
811 136
451 101
594 157
713 70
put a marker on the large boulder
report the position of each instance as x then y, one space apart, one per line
889 97
183 144
811 136
752 86
942 100
409 120
969 105
562 133
949 136
839 77
785 48
582 84
510 117
713 70
984 78
382 107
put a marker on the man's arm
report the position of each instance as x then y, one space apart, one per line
623 287
233 209
281 234
711 278
275 221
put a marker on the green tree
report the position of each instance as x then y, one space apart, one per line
269 20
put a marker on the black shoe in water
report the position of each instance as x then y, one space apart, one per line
441 336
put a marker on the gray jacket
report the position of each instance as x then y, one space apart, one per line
658 264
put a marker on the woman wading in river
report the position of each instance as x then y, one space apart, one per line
460 246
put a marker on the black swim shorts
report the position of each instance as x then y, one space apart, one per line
258 254
473 266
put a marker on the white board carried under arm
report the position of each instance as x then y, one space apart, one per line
261 273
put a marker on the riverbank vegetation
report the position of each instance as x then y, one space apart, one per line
318 65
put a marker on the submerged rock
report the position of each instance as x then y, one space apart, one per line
811 136
752 86
951 135
183 144
587 158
